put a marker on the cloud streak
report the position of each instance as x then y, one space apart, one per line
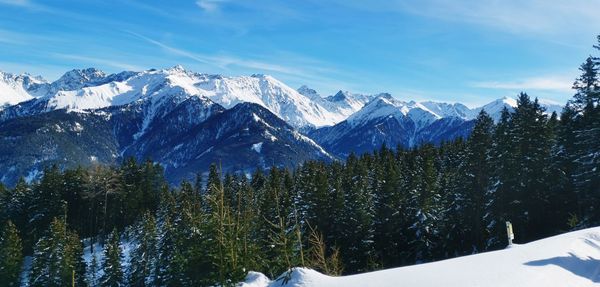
559 84
210 5
227 61
545 17
98 61
289 67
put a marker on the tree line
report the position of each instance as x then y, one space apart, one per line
388 208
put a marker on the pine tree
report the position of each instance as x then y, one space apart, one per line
47 202
478 172
358 245
587 90
586 153
223 229
391 209
425 202
171 260
113 271
4 200
12 256
144 256
498 197
74 188
57 258
92 271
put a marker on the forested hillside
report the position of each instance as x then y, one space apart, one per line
389 208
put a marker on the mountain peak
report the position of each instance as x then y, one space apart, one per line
177 68
340 96
309 92
378 108
77 78
384 96
264 77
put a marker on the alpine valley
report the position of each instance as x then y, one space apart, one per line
187 121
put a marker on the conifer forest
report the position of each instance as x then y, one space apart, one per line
126 226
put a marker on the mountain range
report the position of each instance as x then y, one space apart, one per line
186 121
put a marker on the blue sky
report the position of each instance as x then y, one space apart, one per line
445 50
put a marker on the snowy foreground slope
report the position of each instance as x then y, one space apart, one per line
571 259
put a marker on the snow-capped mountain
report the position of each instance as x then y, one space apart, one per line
186 120
494 109
17 88
185 137
342 104
93 89
388 120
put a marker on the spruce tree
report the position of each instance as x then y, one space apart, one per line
586 86
92 271
113 271
47 202
171 260
144 255
502 181
391 209
425 202
358 245
11 258
57 258
477 170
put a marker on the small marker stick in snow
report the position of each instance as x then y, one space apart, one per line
509 233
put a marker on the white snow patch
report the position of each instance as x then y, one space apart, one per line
570 259
205 152
257 147
255 279
77 127
33 175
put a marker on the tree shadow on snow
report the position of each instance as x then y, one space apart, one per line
588 268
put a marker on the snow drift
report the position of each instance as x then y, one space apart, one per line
571 259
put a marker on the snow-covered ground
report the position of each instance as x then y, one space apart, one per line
571 259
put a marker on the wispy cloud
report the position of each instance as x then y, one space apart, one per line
7 37
21 38
210 5
517 16
90 61
547 17
22 3
551 83
291 68
224 61
25 4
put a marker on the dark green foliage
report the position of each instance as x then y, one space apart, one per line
385 209
113 271
144 256
57 258
11 251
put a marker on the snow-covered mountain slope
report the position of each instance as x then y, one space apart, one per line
424 113
243 138
386 120
571 259
17 88
185 137
494 108
93 89
342 104
305 108
387 106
